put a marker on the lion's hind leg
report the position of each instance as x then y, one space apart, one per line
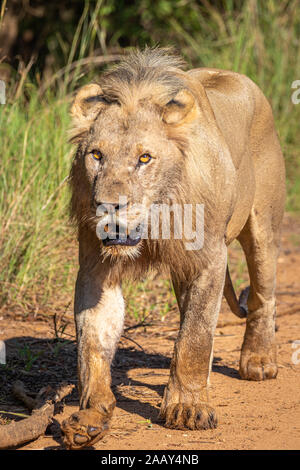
260 242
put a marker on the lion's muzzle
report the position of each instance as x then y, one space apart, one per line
119 235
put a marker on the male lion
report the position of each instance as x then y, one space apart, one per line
159 135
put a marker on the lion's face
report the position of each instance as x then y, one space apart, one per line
130 164
147 137
132 137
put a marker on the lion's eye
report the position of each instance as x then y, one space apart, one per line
145 158
96 154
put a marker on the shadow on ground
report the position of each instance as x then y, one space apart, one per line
39 362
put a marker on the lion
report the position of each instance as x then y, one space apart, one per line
153 133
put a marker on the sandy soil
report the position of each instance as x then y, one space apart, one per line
252 415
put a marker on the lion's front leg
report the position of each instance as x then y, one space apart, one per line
99 314
185 402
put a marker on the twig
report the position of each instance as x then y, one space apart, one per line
138 325
130 339
57 331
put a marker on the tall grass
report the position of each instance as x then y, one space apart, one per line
35 160
37 253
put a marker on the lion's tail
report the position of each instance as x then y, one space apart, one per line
238 307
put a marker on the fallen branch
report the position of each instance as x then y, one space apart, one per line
43 407
138 325
133 341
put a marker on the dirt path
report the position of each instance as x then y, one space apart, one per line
252 415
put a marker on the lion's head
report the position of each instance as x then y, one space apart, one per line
133 130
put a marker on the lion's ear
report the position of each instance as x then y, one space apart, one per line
88 101
180 108
87 104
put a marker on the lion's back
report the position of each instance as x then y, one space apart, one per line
238 104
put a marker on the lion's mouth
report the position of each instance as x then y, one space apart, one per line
119 237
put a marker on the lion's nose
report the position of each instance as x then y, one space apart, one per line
110 206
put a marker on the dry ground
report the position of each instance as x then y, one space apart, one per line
252 415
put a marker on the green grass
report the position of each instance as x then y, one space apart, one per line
28 357
35 161
37 245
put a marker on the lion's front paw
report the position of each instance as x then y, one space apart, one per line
189 416
84 428
254 366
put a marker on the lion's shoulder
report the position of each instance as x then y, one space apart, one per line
222 80
232 89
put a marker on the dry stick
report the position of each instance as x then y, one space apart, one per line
133 327
18 433
133 341
138 325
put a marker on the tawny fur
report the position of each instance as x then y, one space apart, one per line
212 138
142 86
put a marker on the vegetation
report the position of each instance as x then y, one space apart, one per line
37 244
